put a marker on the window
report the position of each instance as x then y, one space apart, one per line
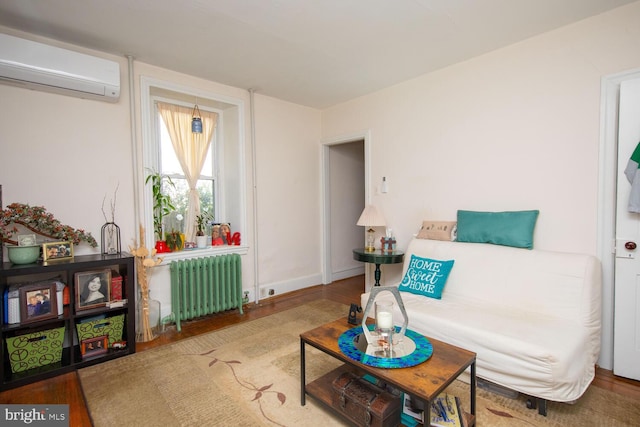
221 183
179 192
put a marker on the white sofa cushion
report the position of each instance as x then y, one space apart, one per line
532 317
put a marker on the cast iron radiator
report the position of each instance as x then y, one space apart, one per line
203 286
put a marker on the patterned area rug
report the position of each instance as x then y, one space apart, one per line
248 375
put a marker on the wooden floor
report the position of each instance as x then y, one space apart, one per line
66 388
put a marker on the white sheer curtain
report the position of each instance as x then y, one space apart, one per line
191 150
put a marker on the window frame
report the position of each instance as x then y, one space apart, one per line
229 172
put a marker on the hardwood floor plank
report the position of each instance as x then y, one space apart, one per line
66 388
606 380
63 389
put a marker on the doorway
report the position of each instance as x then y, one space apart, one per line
607 202
344 194
626 341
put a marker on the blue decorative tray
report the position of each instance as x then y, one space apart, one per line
413 350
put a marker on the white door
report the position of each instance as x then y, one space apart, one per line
626 337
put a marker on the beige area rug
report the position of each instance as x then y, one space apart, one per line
248 375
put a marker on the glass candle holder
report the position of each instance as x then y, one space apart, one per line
384 327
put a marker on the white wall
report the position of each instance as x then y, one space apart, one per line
288 170
67 154
514 129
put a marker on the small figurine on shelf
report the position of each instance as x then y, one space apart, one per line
119 345
352 318
388 244
235 239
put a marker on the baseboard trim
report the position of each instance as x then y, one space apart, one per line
280 288
349 272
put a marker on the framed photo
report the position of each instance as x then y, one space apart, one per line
92 289
26 239
54 251
94 346
38 302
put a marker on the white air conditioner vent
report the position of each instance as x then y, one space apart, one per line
39 66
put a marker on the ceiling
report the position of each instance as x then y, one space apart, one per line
311 52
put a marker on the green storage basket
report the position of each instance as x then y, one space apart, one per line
36 349
111 326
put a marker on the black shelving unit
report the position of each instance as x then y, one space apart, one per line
65 270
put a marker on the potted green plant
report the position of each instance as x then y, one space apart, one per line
162 205
201 221
174 240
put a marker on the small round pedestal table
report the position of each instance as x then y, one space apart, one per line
378 257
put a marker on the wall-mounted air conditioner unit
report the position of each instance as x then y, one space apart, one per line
39 66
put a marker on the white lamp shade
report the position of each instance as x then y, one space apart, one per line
370 217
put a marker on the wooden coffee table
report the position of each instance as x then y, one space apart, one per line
423 382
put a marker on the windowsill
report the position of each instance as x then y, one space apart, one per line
204 252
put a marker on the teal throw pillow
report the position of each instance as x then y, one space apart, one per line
426 276
500 228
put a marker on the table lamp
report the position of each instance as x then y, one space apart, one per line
370 217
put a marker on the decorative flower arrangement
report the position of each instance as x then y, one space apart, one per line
145 260
38 220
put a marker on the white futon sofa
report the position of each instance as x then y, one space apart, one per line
533 317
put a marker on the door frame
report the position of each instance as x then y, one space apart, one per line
327 274
607 190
